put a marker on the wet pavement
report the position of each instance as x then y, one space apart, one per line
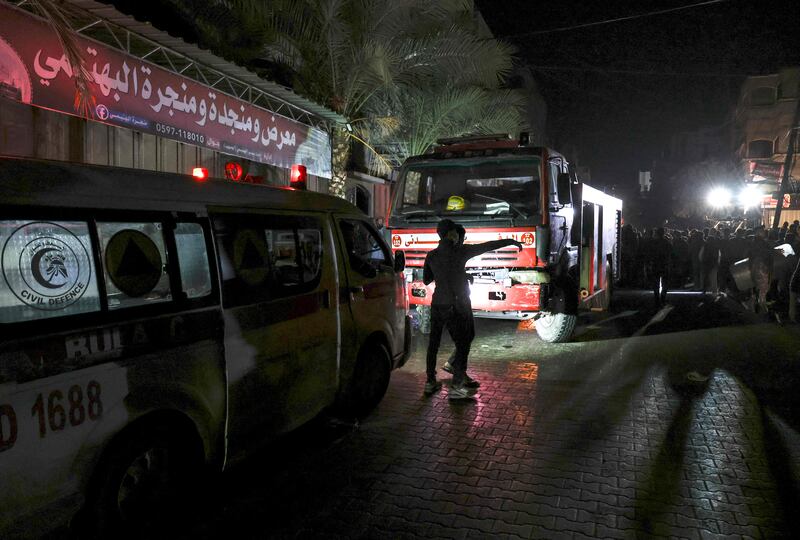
599 438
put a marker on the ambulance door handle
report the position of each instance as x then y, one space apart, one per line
326 299
356 290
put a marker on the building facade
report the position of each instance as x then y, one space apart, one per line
154 103
764 116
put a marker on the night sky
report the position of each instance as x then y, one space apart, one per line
615 92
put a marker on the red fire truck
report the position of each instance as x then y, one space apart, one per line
497 187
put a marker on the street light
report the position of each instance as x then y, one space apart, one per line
719 198
750 197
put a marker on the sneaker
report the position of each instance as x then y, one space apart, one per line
432 387
694 376
460 392
448 368
469 382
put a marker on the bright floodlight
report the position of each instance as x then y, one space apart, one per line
750 197
719 197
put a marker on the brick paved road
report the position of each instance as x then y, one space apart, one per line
593 439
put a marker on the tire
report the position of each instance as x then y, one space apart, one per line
609 290
424 313
556 327
142 483
370 380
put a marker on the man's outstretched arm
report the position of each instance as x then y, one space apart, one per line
473 250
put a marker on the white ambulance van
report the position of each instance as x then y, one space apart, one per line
153 326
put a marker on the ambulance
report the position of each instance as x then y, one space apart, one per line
154 326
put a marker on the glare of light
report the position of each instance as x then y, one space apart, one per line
719 197
750 197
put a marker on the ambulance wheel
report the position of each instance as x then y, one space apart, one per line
556 327
370 380
143 482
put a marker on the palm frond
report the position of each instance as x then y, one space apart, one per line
85 102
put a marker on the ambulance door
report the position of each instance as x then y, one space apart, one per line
372 291
281 334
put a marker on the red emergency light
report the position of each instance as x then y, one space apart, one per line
200 174
297 179
233 171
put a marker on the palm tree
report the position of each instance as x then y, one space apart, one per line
52 12
423 115
409 70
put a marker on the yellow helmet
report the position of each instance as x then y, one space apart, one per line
455 203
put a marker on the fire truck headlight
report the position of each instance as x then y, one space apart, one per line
750 197
529 277
719 197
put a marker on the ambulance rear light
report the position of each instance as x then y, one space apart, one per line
200 174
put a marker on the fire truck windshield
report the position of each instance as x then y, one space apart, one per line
476 188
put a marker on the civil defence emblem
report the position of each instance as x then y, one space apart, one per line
46 266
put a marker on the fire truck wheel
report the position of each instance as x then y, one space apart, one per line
556 327
424 313
609 289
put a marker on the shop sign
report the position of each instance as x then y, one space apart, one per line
135 94
766 169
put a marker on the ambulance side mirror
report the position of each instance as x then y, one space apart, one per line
399 261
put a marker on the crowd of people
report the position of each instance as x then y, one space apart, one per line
703 260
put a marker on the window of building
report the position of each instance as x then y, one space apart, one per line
265 257
763 95
359 197
135 261
47 269
761 148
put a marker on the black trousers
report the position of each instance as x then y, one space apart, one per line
459 322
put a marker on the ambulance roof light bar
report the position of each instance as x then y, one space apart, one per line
200 174
298 176
473 138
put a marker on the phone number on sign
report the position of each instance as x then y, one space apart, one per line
172 131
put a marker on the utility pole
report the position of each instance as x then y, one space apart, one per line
787 164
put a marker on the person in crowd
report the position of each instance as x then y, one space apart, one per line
794 288
761 268
709 261
629 247
659 251
696 243
644 257
724 276
783 230
680 256
450 306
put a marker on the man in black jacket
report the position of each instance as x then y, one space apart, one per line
451 307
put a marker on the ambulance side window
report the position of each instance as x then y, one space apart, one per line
366 252
265 257
134 263
193 260
47 270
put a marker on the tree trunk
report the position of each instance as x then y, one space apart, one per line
341 155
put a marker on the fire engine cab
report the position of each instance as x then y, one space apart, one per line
496 188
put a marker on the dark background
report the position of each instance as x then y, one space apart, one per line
616 92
